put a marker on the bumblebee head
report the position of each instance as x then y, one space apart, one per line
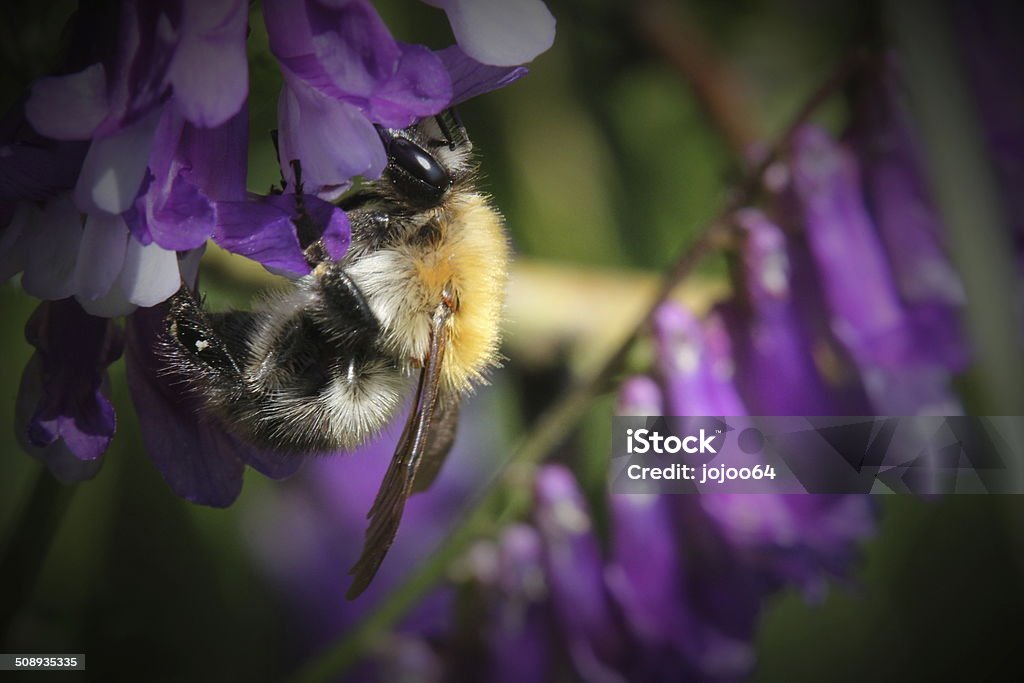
425 160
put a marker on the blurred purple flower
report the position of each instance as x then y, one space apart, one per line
308 535
897 198
64 415
901 375
775 335
517 636
590 623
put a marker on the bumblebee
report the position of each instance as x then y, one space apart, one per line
414 306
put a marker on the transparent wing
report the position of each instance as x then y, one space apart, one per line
417 448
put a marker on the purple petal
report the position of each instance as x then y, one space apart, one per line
35 167
799 539
63 399
695 363
209 72
269 463
640 396
576 578
516 627
353 45
895 187
332 139
263 230
215 159
777 373
420 87
57 457
651 577
137 74
853 270
500 32
69 107
471 78
196 458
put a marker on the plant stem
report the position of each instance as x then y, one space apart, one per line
557 423
28 546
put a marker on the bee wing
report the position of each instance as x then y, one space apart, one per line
413 448
442 436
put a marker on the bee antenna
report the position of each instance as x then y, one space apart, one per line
452 128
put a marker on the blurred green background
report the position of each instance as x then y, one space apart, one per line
604 160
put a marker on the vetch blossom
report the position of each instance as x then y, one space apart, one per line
898 200
866 313
775 336
64 415
162 111
345 74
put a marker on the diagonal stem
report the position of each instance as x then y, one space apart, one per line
507 492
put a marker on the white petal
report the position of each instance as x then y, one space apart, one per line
150 273
52 250
69 107
101 254
501 32
114 167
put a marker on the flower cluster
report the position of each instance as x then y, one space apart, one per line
117 171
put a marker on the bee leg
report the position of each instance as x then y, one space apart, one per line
344 312
274 138
201 348
309 234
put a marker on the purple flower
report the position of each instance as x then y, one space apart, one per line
695 364
344 74
775 335
500 32
64 415
518 635
866 312
162 110
588 619
898 200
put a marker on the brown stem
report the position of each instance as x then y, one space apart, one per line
673 33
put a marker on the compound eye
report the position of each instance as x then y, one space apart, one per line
414 160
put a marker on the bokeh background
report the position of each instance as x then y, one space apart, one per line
606 160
